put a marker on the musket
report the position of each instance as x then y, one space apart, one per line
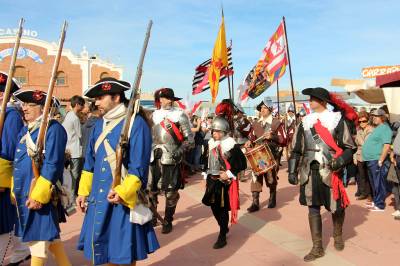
37 157
11 70
132 111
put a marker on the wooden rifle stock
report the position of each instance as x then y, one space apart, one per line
37 157
11 70
133 109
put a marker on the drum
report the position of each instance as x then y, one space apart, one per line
261 159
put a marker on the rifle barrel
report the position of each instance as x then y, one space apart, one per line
11 70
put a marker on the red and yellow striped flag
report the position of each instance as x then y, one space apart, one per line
219 61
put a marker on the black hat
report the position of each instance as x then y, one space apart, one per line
107 86
3 81
261 104
319 93
35 96
167 93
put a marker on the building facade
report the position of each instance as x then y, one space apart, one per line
76 72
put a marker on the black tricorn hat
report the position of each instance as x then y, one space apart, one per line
3 81
319 93
35 96
167 93
107 86
261 104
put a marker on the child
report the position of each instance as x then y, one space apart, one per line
225 161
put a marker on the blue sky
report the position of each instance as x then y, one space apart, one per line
326 38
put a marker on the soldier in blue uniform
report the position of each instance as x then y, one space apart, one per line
38 216
11 127
108 236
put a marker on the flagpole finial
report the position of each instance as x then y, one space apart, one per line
222 9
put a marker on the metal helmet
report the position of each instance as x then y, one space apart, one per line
221 124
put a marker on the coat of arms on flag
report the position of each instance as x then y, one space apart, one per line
271 65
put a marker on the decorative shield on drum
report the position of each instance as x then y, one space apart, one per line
261 159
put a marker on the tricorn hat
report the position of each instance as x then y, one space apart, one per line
36 97
107 86
3 81
319 93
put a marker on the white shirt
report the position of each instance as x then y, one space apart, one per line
72 125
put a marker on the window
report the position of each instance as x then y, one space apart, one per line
21 75
61 78
104 75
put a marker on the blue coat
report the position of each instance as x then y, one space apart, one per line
12 126
107 235
42 224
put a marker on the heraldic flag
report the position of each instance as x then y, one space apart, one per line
219 61
270 67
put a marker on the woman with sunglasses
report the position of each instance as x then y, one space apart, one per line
363 185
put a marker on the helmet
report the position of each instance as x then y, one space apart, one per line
221 124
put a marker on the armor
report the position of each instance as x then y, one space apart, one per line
316 150
221 124
242 130
165 146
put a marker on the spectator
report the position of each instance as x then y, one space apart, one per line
198 142
363 184
374 152
72 125
395 158
92 116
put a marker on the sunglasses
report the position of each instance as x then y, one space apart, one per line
363 121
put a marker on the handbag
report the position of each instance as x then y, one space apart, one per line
140 214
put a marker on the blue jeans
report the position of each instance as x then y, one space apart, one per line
377 177
197 156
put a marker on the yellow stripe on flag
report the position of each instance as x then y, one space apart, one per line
219 60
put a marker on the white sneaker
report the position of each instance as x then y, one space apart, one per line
396 213
376 209
370 204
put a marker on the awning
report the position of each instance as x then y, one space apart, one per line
388 80
364 89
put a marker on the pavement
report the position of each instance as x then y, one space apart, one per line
277 236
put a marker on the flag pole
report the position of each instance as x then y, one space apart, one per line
277 96
229 85
290 65
230 78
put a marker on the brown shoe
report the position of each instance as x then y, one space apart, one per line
338 220
317 250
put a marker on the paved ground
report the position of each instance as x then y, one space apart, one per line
277 236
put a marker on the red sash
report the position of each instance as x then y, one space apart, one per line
172 129
234 201
337 185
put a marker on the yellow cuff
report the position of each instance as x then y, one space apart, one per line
85 184
6 169
12 188
128 190
42 190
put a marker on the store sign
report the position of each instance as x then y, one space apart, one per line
22 53
373 72
13 32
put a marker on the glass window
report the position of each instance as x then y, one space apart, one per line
61 78
21 74
104 75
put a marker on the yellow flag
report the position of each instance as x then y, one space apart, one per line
219 61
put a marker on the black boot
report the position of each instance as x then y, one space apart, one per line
255 206
169 217
272 197
221 241
317 250
338 220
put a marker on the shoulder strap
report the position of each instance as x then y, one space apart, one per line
106 131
